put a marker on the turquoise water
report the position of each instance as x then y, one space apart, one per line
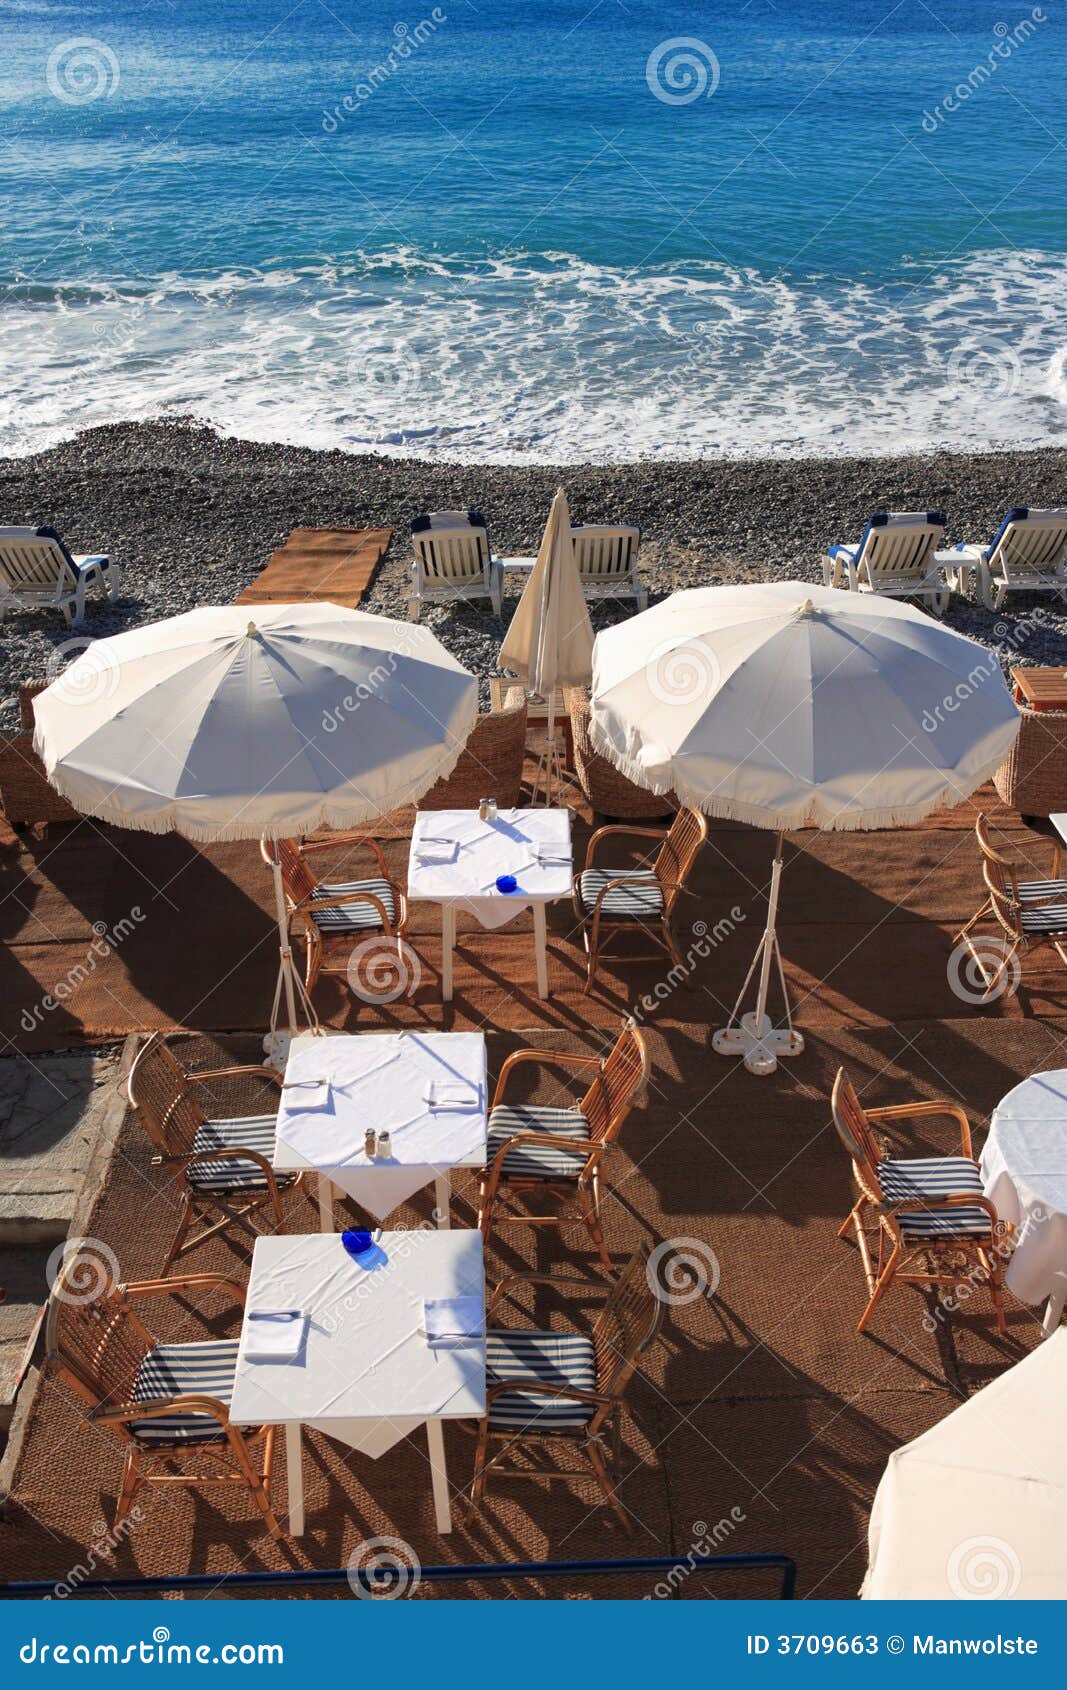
526 233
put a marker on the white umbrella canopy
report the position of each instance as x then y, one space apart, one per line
218 726
786 705
550 641
975 1508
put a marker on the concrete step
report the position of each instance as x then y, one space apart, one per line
23 1277
51 1113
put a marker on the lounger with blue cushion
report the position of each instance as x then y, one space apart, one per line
453 561
1028 554
896 557
38 571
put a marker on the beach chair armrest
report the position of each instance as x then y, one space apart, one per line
544 1058
534 1387
550 1141
155 1408
184 1283
346 841
916 1111
613 828
598 1288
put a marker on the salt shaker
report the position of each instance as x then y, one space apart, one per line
487 810
385 1148
369 1143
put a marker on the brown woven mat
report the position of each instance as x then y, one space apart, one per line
317 565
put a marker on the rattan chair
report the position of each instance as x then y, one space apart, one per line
612 901
329 915
557 1154
490 765
1033 776
219 1163
544 1385
1028 913
606 788
27 797
167 1404
933 1223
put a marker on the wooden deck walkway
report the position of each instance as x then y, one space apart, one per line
320 565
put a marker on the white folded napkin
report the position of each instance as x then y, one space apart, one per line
273 1334
446 1094
429 850
302 1096
452 1320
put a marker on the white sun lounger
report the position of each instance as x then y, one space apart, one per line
607 562
37 570
452 560
896 556
1028 554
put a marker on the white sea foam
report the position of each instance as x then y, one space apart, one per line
548 358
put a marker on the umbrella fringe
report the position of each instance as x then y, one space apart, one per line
790 819
172 820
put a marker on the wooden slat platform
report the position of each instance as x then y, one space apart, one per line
320 565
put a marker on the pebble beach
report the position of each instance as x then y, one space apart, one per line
193 517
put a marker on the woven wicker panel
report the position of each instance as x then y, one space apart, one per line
1033 778
28 691
608 791
25 795
491 763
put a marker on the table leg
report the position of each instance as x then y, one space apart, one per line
294 1474
325 1204
448 945
1053 1313
442 1200
540 942
435 1442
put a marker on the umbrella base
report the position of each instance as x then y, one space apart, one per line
758 1043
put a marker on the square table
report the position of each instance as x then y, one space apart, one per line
367 1374
508 844
1041 689
380 1080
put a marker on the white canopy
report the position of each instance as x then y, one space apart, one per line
222 727
977 1507
784 704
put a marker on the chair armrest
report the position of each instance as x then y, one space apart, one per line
231 1153
156 1407
545 1058
199 1074
345 841
581 1147
542 1388
307 905
915 1111
613 828
947 1202
187 1282
601 1287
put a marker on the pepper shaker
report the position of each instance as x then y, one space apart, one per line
369 1143
385 1148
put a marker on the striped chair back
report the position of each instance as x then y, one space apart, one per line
160 1093
624 1329
1030 542
603 553
855 1132
620 1082
900 546
680 849
96 1343
452 546
33 560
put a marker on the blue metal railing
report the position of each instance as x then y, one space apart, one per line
379 1581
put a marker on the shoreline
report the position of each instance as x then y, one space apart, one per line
194 516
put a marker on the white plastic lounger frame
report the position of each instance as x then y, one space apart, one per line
896 556
37 571
607 562
453 561
1028 554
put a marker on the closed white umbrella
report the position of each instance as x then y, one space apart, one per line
220 727
786 705
550 641
977 1507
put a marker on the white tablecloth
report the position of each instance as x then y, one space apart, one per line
380 1080
485 850
367 1373
1024 1171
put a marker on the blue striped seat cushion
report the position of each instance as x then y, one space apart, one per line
558 1358
1042 891
932 1177
173 1370
247 1132
537 1161
351 918
629 902
1044 918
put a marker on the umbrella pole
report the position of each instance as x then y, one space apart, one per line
751 1036
549 759
276 1043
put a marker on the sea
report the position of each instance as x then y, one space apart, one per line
537 231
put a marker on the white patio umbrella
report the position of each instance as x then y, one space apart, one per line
550 641
220 727
787 705
976 1507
